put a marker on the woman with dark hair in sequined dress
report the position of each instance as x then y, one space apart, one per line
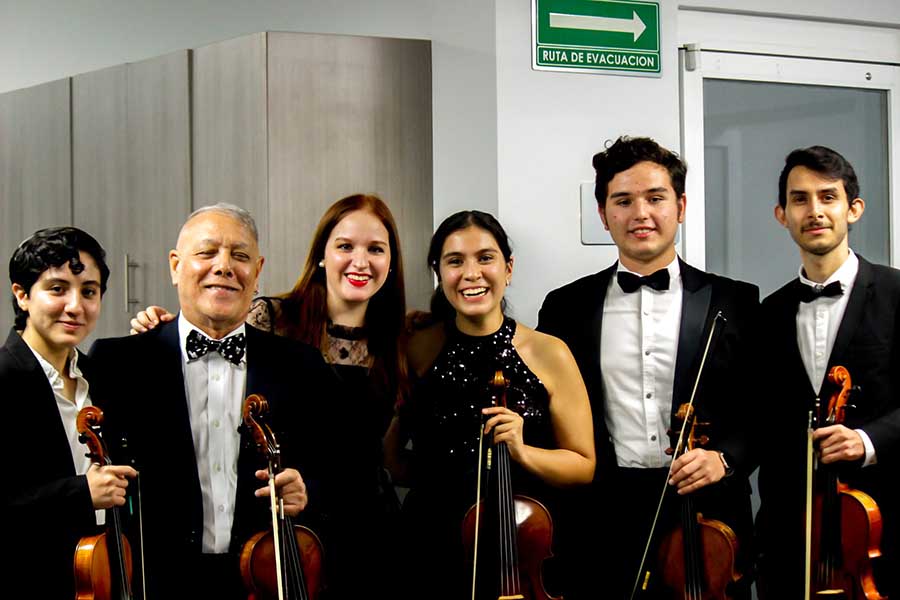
546 425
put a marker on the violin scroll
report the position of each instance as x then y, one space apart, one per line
838 403
87 424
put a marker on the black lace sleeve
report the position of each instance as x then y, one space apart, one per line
262 313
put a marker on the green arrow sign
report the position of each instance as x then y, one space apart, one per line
596 35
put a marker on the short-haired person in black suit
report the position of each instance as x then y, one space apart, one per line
840 310
178 401
638 344
52 494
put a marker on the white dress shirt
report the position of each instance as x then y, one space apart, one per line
638 348
817 326
68 411
214 388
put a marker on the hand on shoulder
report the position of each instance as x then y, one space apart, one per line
149 318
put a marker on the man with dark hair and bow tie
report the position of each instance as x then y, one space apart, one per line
177 392
840 310
638 330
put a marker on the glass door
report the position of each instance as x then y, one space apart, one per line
742 114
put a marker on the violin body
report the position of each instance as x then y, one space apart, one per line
103 563
859 543
93 575
534 528
844 524
718 547
258 563
286 566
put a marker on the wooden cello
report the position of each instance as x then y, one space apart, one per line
103 563
284 562
843 525
521 526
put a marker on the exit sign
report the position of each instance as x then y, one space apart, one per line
619 36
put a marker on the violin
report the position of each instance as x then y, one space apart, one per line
284 562
698 556
103 563
843 525
522 525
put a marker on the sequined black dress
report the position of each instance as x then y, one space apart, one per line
444 419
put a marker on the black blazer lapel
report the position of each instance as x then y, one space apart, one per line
256 360
593 326
44 410
176 399
787 326
695 301
856 305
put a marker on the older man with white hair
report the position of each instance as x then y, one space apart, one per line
176 393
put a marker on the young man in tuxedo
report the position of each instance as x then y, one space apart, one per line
177 393
638 331
840 310
53 495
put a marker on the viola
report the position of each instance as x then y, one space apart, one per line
284 562
843 525
103 562
523 526
697 558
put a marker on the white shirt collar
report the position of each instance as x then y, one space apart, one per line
673 267
53 376
846 274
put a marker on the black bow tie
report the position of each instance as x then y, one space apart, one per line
231 348
629 282
808 293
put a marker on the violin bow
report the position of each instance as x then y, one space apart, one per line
678 447
499 382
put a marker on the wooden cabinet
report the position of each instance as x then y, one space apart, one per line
35 171
283 124
131 177
287 123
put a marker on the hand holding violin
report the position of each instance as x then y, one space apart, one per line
507 426
108 484
290 488
837 443
696 469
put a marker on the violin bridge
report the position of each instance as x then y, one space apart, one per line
490 456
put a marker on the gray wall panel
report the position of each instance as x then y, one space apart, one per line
35 170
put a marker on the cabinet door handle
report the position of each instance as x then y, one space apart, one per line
129 301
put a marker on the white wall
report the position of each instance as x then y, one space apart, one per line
43 40
507 139
550 125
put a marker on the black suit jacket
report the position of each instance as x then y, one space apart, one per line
46 506
574 313
143 396
868 344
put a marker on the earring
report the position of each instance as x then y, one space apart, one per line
507 282
322 263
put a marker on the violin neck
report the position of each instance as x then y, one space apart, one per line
504 509
294 578
692 548
118 571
